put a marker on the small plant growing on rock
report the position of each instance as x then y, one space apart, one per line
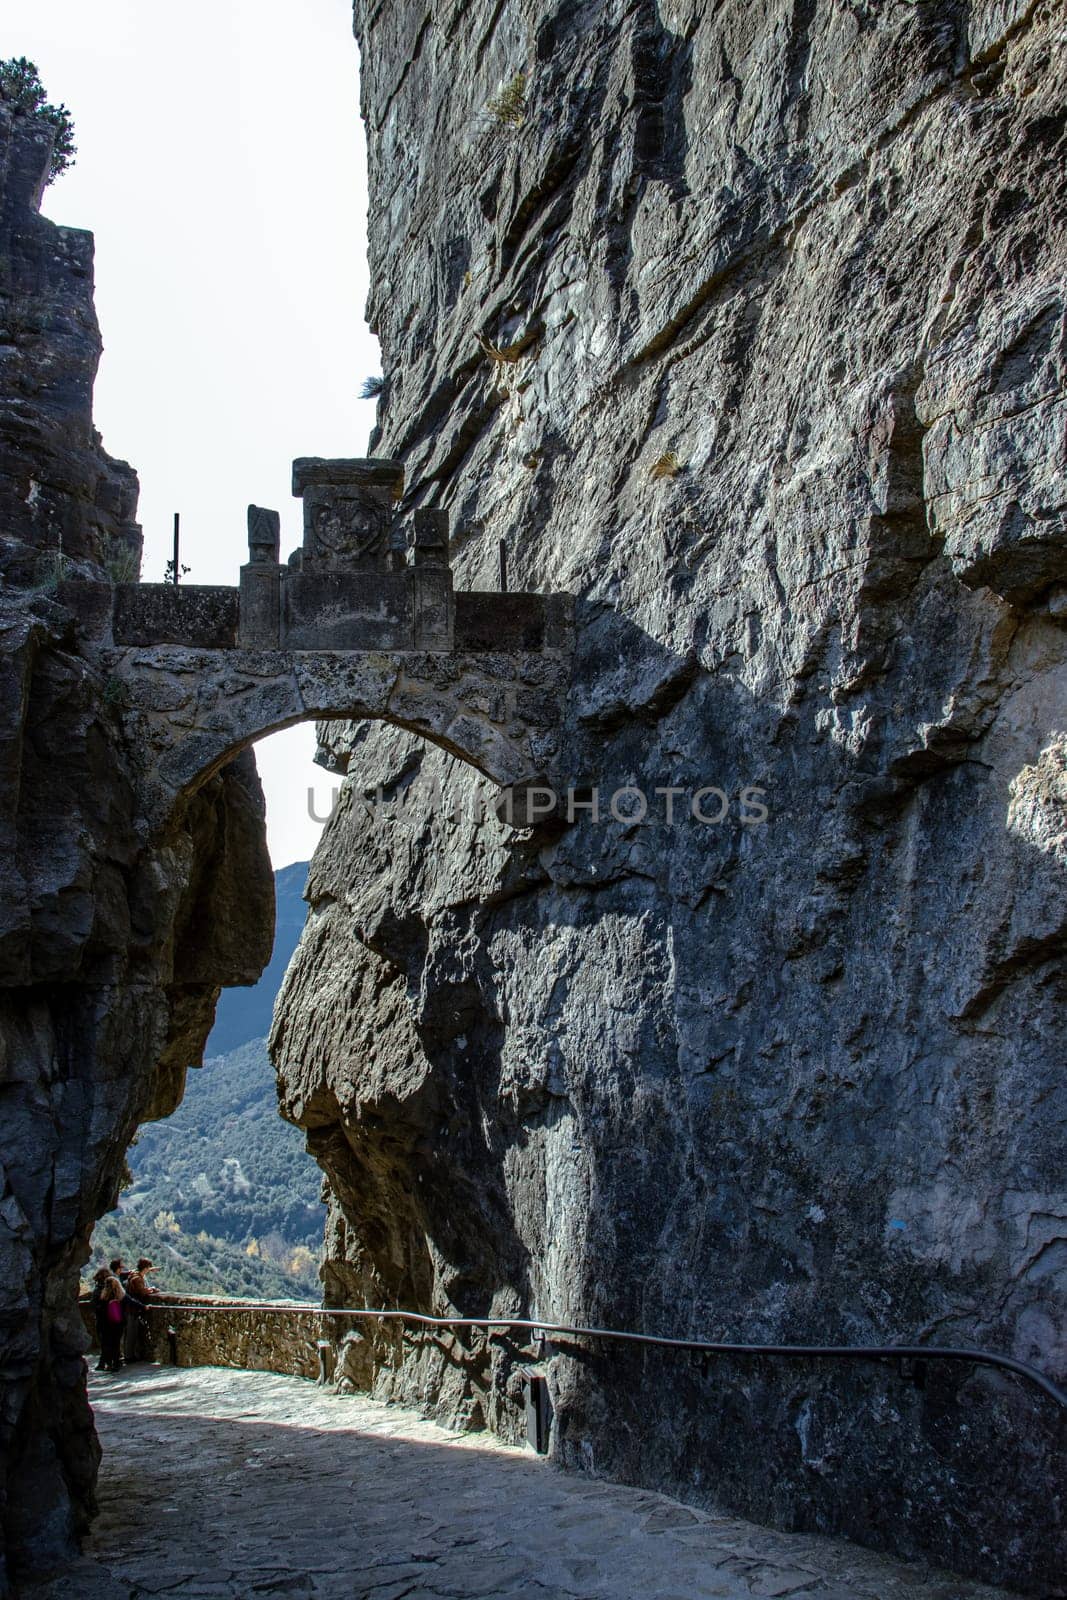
372 388
50 570
500 355
509 106
22 90
665 466
122 562
509 373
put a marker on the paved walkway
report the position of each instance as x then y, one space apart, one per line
241 1484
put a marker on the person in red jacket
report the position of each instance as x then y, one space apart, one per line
108 1296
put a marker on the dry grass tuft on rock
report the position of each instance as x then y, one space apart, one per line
509 107
50 570
666 466
122 562
501 355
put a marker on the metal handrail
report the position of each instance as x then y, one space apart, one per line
798 1352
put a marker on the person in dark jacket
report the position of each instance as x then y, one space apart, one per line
138 1293
107 1297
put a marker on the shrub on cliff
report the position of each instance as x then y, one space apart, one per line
509 106
22 89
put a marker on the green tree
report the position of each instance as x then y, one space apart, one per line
21 88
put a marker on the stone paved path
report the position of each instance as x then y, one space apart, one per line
242 1484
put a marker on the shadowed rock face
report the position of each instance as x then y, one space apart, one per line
62 498
751 336
112 950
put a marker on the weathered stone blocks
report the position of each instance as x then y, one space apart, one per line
191 615
364 680
189 712
348 510
354 592
341 610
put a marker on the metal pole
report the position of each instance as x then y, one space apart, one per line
503 567
177 541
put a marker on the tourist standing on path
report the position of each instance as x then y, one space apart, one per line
138 1293
107 1297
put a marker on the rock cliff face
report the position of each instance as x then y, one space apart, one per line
745 324
112 945
66 508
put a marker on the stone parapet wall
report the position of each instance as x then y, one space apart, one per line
347 611
216 1332
273 1336
361 1353
200 615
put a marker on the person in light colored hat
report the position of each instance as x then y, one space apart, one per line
138 1293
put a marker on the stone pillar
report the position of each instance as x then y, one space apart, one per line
349 507
431 539
433 600
397 559
559 622
261 583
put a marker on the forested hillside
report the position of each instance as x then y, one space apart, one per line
223 1197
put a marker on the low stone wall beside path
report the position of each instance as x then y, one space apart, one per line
360 1354
211 1331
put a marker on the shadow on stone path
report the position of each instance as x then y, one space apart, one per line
239 1484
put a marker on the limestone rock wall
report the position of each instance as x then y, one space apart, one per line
66 507
113 942
751 335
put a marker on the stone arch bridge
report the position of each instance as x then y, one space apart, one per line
362 622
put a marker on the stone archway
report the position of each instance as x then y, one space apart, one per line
362 622
189 712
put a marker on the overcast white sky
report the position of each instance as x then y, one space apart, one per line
221 168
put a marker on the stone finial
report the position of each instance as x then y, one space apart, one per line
431 539
264 536
348 511
261 601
